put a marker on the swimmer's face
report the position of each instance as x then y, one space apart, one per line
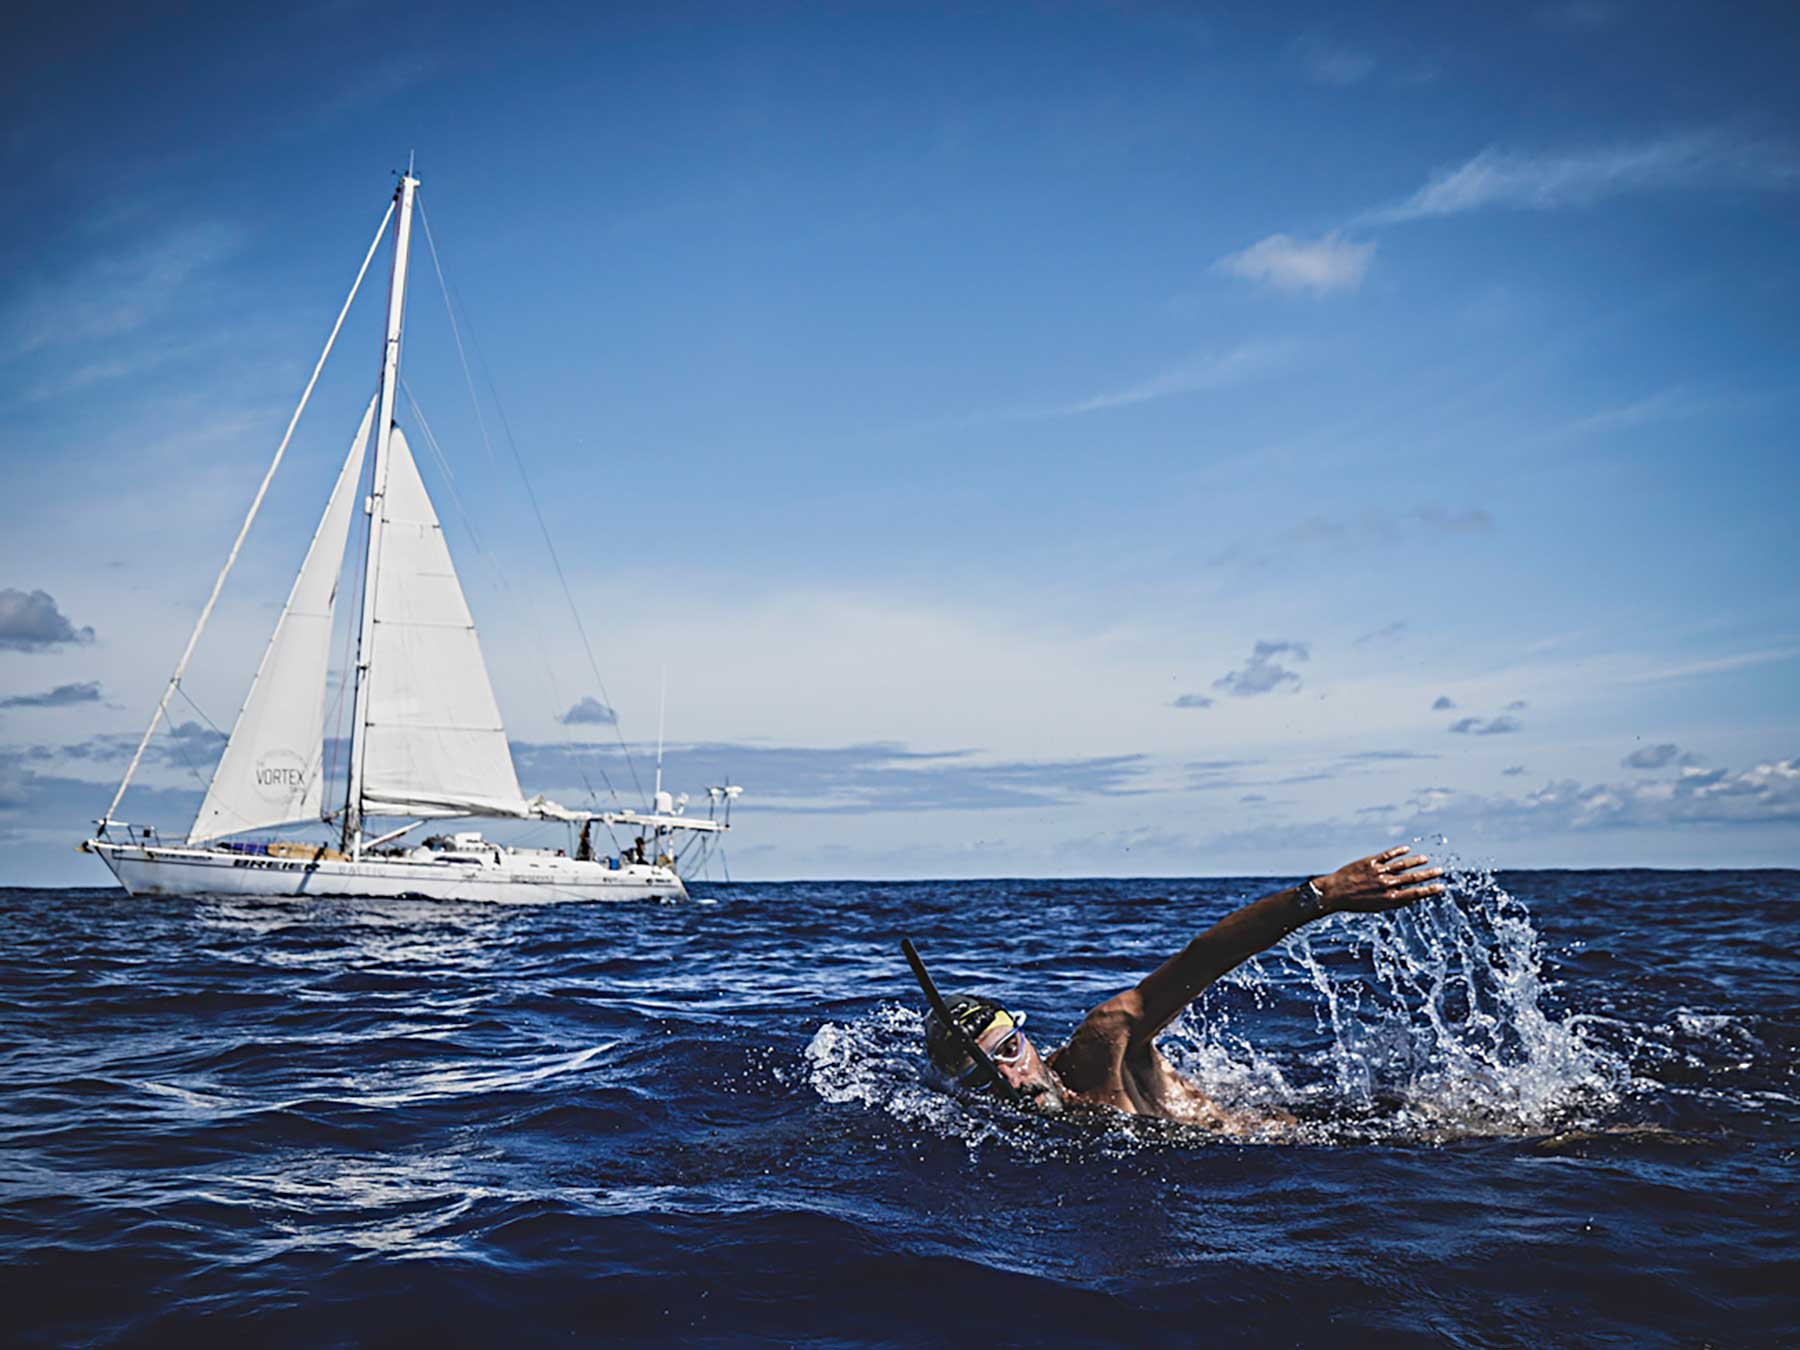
1021 1066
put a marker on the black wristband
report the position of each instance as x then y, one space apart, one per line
1310 898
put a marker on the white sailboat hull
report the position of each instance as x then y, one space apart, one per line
158 869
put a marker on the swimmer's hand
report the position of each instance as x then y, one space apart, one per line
1373 885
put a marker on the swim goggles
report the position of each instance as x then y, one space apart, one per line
1010 1050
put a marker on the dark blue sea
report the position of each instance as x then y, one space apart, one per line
1551 1108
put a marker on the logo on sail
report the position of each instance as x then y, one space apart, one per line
280 776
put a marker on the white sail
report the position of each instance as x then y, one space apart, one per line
270 773
435 745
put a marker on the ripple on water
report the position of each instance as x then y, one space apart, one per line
1523 1107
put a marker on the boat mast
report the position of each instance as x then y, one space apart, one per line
390 379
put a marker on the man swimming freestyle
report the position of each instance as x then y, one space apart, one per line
1112 1059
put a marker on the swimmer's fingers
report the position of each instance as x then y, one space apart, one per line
1394 890
1413 887
1414 894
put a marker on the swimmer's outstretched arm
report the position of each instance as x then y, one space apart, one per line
1369 885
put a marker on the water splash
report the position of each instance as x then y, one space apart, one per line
1436 1022
876 1062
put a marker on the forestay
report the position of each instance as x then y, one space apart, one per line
270 773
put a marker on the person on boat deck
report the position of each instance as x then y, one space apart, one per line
1112 1059
637 850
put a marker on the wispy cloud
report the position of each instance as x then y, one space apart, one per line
1580 16
1551 181
1476 726
1665 405
1369 528
1194 374
1214 370
177 743
1224 773
1325 61
111 293
1315 267
1382 636
1712 666
1192 701
60 697
849 780
64 378
387 79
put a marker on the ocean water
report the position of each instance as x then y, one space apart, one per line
1551 1108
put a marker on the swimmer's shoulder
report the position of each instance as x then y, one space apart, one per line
1094 1058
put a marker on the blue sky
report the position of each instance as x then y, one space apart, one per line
1036 439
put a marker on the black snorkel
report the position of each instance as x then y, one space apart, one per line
1007 1091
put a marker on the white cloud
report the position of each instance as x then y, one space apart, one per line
1314 267
1549 182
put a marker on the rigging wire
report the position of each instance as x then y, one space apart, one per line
530 492
175 739
189 700
249 519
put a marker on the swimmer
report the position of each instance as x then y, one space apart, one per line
1112 1061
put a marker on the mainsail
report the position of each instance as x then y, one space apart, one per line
270 771
434 741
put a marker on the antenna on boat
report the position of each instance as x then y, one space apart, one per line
662 707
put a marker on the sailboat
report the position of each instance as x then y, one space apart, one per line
426 742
